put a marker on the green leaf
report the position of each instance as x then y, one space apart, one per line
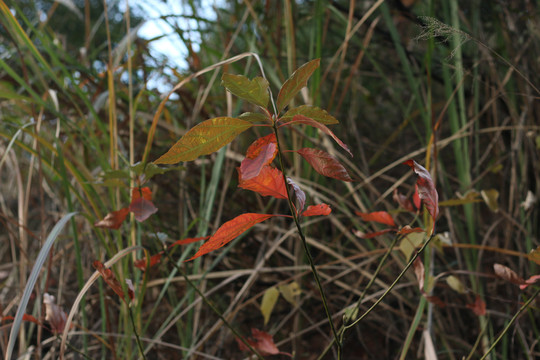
455 284
255 91
312 112
268 302
295 83
152 169
253 117
410 242
203 139
290 292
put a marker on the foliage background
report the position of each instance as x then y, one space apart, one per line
73 108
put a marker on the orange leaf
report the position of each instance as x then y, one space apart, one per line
137 193
479 306
426 188
320 209
325 164
111 280
25 317
378 216
113 220
269 182
142 209
188 241
229 231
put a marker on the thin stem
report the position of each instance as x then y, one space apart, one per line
139 344
304 243
211 306
512 321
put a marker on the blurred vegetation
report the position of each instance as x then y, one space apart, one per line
76 106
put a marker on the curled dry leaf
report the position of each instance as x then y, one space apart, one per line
110 279
54 314
298 194
403 201
142 208
426 188
113 220
508 274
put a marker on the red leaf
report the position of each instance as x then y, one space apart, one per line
25 317
251 167
154 260
435 300
137 193
479 306
508 274
299 194
301 119
54 314
315 210
229 231
403 201
373 234
407 230
426 188
325 164
269 182
111 280
188 241
262 342
416 198
530 281
142 209
378 216
113 220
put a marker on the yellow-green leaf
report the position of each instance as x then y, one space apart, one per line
312 112
455 284
268 302
253 117
490 197
534 255
255 91
410 242
471 196
290 292
204 138
295 83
